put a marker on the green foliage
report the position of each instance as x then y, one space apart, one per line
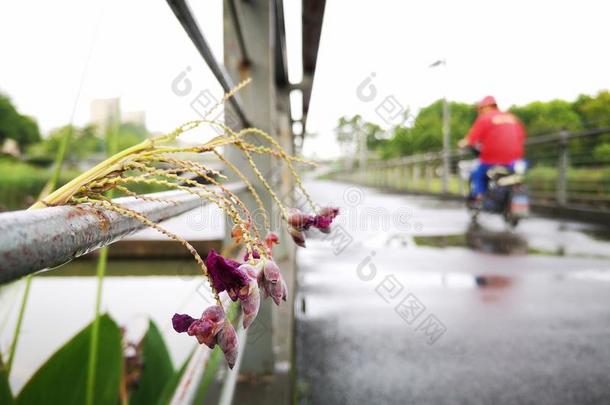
172 383
61 380
157 368
601 153
349 131
20 183
6 396
211 368
594 111
547 117
425 132
13 125
129 135
347 128
84 142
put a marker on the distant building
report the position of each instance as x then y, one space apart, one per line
10 147
134 117
105 113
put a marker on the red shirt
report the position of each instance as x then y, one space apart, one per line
500 136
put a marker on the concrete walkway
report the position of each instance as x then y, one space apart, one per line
383 320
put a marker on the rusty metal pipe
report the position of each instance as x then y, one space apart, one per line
40 239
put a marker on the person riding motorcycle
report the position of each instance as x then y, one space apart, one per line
499 138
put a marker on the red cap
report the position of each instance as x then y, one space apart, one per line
487 101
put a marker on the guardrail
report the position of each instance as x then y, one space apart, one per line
563 172
34 240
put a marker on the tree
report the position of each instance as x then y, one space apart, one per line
548 117
130 134
83 143
594 111
426 133
13 125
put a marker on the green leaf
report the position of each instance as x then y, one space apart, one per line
157 368
62 379
170 387
6 395
208 375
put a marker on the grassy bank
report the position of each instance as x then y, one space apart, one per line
21 183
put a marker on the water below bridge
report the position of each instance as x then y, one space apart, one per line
405 304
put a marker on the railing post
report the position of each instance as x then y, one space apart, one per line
428 174
416 175
561 195
259 100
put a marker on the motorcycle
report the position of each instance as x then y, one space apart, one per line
506 192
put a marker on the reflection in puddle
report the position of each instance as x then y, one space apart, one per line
493 281
599 234
481 239
502 242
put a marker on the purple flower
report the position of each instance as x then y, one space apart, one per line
211 329
225 274
272 283
204 328
331 212
323 220
227 340
181 322
299 220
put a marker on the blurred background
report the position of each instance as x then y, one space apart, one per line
407 301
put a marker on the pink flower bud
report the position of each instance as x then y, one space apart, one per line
299 220
272 283
331 212
323 220
271 271
227 340
272 239
250 303
297 236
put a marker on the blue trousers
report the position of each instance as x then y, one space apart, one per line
478 178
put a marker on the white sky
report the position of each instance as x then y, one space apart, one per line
519 51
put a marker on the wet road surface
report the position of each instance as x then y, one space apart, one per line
383 320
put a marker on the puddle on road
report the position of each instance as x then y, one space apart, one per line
481 239
600 234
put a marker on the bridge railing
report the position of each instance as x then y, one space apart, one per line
568 170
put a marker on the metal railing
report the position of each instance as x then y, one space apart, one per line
565 170
34 240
